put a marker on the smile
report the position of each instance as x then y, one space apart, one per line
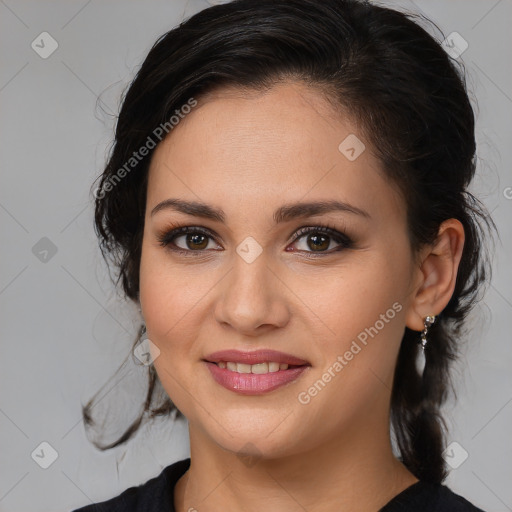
245 381
270 367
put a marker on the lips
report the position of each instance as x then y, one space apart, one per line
255 357
244 380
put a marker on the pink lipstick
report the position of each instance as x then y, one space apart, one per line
254 373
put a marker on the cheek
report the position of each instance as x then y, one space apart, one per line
363 306
168 292
167 298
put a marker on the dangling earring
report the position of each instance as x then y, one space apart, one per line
429 320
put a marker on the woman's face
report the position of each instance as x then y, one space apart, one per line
336 300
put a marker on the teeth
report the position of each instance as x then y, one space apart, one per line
274 367
243 368
269 367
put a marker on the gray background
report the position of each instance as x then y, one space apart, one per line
64 330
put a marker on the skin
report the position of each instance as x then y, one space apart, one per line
249 153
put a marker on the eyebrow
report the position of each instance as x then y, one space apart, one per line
284 213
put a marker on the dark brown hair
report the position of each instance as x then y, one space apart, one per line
410 101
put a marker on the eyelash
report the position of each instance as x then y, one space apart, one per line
165 238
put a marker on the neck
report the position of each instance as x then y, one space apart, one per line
355 473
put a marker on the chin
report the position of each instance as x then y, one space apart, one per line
259 440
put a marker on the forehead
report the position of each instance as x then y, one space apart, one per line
243 149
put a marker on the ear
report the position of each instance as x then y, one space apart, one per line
436 275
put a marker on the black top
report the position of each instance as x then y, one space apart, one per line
157 495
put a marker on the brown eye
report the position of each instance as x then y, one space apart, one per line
318 240
194 239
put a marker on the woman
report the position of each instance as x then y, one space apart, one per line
287 202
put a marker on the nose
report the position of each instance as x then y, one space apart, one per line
252 298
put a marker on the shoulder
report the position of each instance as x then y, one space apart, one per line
452 502
429 497
154 495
